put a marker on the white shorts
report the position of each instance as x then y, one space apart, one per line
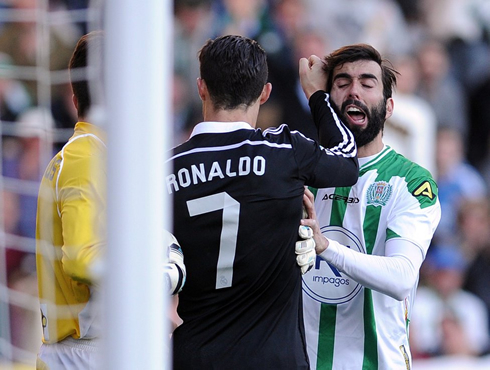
70 354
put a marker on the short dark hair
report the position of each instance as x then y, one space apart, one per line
234 69
354 53
78 62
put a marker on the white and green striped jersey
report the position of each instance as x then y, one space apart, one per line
347 325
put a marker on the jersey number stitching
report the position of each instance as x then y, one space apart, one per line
227 248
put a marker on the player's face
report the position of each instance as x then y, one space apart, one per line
357 95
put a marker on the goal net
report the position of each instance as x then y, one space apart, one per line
37 117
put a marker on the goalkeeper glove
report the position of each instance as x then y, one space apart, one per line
174 269
305 249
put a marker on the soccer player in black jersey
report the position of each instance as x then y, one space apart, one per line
237 194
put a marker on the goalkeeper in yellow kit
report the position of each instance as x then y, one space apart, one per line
71 235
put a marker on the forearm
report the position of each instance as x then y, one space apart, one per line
336 164
333 134
394 274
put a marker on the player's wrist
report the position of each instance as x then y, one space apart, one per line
321 244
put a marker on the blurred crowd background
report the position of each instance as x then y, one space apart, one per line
442 121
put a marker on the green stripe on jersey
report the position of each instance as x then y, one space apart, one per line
390 234
371 224
326 337
328 312
339 208
370 359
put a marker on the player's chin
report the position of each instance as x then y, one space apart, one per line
357 130
357 124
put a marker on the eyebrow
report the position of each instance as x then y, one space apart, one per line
363 76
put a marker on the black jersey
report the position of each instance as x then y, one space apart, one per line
237 197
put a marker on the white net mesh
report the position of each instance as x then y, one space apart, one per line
37 117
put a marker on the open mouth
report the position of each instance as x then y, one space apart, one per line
356 115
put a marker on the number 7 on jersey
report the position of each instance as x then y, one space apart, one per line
229 231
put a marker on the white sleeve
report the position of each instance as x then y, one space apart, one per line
394 274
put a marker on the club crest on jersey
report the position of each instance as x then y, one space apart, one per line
379 193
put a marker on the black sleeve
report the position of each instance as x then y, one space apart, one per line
332 132
335 162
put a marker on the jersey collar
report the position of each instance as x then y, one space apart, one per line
210 127
368 161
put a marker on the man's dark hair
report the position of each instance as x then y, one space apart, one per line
354 53
234 69
90 43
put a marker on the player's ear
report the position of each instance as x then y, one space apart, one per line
390 104
75 101
266 93
202 88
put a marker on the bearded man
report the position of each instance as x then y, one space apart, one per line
372 237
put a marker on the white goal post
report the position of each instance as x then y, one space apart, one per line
138 75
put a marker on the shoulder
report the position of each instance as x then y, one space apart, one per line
82 157
405 167
275 132
414 181
412 172
85 142
420 183
83 150
389 164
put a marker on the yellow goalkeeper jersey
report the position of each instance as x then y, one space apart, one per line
70 233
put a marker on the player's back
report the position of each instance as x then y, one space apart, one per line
237 207
71 181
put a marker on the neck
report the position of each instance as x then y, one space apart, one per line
248 114
372 148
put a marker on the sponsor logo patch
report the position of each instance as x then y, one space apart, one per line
424 189
340 198
324 282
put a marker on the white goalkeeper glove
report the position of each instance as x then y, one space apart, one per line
174 269
305 249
